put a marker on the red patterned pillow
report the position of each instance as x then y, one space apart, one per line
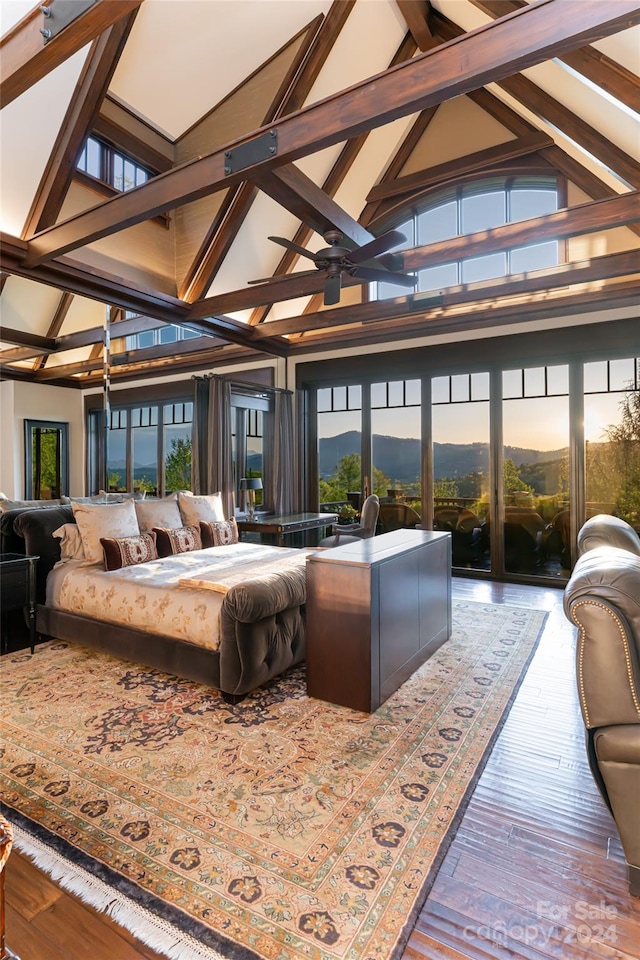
218 533
128 551
177 540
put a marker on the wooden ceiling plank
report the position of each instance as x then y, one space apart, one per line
79 119
293 92
595 66
492 52
567 274
416 16
25 58
444 172
502 112
56 325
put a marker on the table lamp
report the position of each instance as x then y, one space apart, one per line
250 485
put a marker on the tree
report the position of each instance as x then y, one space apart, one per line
613 465
177 465
347 478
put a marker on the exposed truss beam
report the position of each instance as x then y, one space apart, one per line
292 189
336 176
321 37
416 16
587 61
79 119
547 108
566 274
71 277
443 172
491 53
478 315
25 58
56 325
568 222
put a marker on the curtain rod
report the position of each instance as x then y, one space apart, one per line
241 383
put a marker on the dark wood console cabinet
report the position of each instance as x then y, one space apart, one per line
376 610
18 589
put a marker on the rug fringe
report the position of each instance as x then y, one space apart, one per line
149 929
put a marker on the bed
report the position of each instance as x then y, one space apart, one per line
230 616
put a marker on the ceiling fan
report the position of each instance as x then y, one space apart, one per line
338 258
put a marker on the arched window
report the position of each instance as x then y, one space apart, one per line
468 209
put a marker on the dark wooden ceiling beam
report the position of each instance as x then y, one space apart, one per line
69 276
398 161
568 222
491 53
81 114
416 16
296 86
583 178
129 357
55 326
601 70
25 58
476 316
596 269
547 108
26 339
296 192
335 178
444 172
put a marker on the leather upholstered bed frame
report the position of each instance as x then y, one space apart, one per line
262 626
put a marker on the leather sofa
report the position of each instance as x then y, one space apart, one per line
602 598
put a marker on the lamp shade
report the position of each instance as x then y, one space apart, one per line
251 483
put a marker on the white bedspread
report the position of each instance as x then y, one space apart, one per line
151 597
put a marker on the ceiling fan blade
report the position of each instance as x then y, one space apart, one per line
294 247
380 245
332 291
285 276
384 276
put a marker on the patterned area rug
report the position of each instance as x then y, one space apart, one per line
279 828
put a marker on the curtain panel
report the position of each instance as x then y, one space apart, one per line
211 464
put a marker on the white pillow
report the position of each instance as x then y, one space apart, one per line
97 520
158 513
194 509
70 542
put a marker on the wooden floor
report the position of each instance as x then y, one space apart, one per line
535 870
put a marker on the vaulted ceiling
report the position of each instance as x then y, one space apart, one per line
293 118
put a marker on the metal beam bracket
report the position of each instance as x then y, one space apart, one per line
59 14
261 148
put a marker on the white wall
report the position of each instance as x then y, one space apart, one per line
38 401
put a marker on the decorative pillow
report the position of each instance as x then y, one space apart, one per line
158 513
178 540
194 509
128 551
219 533
97 520
70 542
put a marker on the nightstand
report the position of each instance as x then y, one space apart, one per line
18 589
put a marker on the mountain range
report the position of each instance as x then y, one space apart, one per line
399 457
